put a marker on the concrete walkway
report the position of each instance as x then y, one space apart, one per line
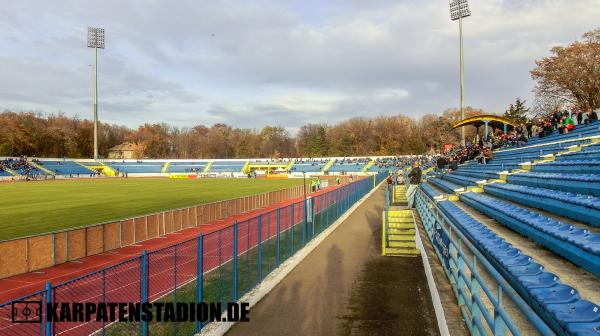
345 287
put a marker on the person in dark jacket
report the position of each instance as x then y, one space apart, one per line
591 116
415 180
441 163
452 164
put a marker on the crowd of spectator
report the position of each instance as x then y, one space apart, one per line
20 165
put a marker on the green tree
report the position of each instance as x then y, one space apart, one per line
517 111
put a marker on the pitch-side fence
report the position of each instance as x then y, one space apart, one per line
218 267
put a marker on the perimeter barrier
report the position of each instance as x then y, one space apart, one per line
217 267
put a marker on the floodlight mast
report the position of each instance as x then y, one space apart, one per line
459 9
95 39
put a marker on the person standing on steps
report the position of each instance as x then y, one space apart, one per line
415 180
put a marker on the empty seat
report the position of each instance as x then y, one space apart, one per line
583 208
577 245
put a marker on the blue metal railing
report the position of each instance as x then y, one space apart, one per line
465 268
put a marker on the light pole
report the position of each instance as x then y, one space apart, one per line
95 39
459 9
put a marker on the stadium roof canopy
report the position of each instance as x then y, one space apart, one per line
491 120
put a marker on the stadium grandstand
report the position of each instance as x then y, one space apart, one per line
44 168
532 211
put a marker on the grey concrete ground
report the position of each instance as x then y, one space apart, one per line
345 287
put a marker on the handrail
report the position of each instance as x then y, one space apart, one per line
478 258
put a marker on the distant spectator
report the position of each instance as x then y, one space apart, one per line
452 164
556 118
567 124
591 116
441 163
521 140
415 180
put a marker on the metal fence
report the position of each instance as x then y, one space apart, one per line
216 267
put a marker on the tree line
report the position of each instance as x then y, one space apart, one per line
36 134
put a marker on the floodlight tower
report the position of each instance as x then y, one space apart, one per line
95 39
459 9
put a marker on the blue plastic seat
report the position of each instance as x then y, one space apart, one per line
542 280
581 311
559 293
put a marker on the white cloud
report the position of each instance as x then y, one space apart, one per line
267 61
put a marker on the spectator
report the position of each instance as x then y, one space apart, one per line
415 180
521 140
591 116
452 164
566 125
556 117
441 162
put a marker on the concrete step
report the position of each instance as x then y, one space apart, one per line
392 232
402 251
403 244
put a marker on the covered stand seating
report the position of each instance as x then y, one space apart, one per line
487 120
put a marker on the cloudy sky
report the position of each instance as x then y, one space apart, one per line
251 63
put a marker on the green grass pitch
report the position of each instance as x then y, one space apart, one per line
29 208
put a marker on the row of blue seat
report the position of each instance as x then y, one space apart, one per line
65 167
577 245
429 190
476 172
583 208
560 305
590 154
575 183
347 166
569 166
463 181
446 186
538 149
579 131
227 166
138 168
493 166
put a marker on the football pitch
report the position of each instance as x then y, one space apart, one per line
29 208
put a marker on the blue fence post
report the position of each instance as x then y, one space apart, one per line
175 283
277 258
312 214
293 227
259 246
234 293
48 324
305 223
103 298
199 274
499 324
144 283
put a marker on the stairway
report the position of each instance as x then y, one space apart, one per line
40 167
399 195
207 167
165 167
398 238
367 166
328 165
10 171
